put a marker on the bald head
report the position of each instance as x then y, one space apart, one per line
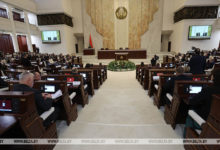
27 78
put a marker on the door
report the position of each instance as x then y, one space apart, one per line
22 43
6 44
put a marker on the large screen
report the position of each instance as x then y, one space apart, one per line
200 32
51 36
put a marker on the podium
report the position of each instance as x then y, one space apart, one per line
121 56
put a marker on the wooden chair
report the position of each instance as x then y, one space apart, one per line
70 109
81 96
89 79
176 113
210 128
158 101
154 78
24 111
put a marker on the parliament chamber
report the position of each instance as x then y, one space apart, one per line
110 75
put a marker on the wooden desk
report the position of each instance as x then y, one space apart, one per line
132 54
121 56
6 123
89 51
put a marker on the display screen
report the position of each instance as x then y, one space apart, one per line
195 89
51 36
5 105
49 88
200 32
50 79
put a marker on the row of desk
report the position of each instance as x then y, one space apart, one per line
110 54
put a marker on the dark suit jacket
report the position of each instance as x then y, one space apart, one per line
3 83
25 62
201 102
169 86
42 104
197 64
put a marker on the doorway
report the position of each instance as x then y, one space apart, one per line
22 43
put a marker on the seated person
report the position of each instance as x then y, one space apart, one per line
75 72
201 103
37 76
169 85
210 63
3 84
25 61
43 100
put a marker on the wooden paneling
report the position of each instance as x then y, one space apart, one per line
6 44
3 13
132 54
204 12
22 43
54 19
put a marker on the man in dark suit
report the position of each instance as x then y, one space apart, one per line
197 63
201 103
154 60
25 61
43 100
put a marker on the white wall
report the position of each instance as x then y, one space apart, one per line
201 2
151 40
23 4
67 41
202 44
49 6
67 6
121 25
179 37
168 14
176 36
5 25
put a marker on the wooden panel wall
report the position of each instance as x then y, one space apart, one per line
203 12
54 19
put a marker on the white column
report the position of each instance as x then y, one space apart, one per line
14 36
29 43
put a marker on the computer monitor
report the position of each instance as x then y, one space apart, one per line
5 105
49 88
50 79
194 89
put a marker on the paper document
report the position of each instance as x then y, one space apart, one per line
57 94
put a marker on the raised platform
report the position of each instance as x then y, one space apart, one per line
132 54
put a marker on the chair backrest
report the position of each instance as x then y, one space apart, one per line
22 106
214 115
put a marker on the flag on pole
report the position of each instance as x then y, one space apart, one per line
90 42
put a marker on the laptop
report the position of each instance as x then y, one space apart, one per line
195 89
50 79
49 88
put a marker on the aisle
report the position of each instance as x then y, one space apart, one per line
119 109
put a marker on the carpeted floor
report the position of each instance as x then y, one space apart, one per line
119 109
